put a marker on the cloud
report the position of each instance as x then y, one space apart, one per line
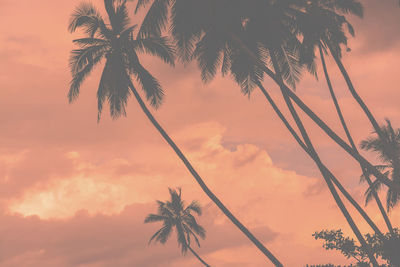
93 214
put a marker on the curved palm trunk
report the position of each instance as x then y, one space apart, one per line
317 160
354 93
198 257
372 169
200 181
349 137
332 177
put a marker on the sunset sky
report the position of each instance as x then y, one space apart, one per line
74 192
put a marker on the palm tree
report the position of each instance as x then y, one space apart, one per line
117 43
174 215
209 40
317 36
388 150
333 41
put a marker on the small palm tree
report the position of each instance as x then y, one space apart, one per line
174 215
117 43
389 153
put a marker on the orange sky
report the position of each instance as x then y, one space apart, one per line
75 193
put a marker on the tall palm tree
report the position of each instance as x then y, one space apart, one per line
316 37
389 153
117 43
208 41
240 42
352 7
174 215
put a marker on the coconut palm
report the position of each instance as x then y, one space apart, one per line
389 153
205 31
175 216
328 34
117 43
329 31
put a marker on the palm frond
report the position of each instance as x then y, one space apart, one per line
160 47
140 4
87 17
81 57
156 18
307 58
164 234
392 199
116 86
208 53
150 85
181 237
176 204
189 233
352 7
245 73
187 19
376 186
84 42
164 210
289 63
190 220
102 91
156 234
226 61
80 74
122 18
194 206
155 218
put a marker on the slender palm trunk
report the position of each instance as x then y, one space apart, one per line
372 169
354 93
198 257
317 160
349 137
332 177
202 184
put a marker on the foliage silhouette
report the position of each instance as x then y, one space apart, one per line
117 44
174 215
385 247
387 146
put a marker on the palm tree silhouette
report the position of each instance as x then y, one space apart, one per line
388 150
334 38
329 31
117 44
329 34
174 215
207 33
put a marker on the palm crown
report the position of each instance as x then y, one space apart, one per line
117 44
323 22
174 215
389 153
203 31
